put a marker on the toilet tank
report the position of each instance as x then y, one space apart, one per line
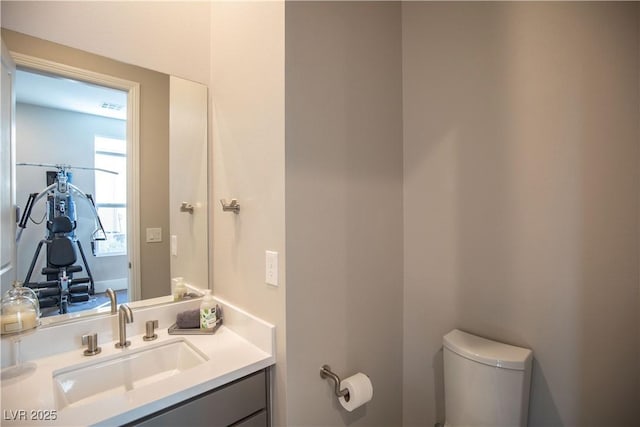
486 383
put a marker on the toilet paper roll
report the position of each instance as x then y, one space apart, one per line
360 391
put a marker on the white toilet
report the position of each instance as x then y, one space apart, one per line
486 383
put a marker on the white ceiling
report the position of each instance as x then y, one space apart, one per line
66 94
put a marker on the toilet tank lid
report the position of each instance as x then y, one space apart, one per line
486 351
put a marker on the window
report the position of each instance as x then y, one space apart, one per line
111 194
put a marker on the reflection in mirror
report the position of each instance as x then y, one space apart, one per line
72 163
149 238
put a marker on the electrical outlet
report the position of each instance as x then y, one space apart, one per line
271 273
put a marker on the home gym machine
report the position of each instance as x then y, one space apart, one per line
63 283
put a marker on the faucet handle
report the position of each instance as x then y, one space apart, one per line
150 328
91 341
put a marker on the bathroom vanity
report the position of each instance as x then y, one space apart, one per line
243 402
217 379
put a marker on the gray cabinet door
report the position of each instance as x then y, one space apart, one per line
224 406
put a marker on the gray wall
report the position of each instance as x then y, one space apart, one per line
343 208
521 199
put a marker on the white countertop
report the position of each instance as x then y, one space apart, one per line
232 355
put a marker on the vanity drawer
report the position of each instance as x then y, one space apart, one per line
241 402
256 420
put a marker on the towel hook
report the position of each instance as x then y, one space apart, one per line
232 206
325 372
186 207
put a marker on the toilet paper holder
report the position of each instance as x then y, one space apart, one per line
325 372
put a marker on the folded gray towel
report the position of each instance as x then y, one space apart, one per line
188 319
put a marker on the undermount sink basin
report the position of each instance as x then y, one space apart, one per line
92 381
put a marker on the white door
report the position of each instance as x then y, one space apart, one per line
7 173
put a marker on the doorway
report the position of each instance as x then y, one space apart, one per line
80 130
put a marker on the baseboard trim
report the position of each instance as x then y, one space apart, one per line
115 284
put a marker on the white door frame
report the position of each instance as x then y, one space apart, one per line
8 203
133 148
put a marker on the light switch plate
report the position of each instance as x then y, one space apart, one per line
154 235
174 245
271 273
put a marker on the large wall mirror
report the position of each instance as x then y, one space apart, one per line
122 152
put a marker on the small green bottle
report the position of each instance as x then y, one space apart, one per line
207 311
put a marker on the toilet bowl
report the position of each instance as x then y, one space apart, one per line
486 383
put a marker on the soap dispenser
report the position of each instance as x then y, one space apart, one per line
207 311
20 310
180 288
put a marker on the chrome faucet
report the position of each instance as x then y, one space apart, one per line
113 299
125 315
